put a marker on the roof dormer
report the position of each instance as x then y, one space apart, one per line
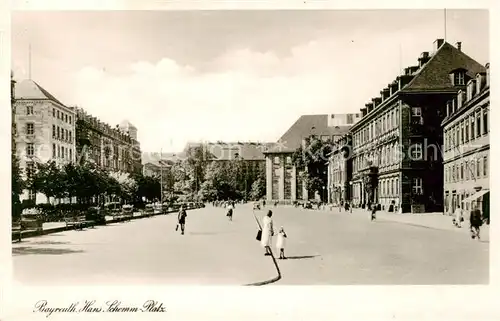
384 94
393 87
488 74
471 89
480 81
458 77
423 59
460 99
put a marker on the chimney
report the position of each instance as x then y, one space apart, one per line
438 43
424 57
363 111
459 46
376 101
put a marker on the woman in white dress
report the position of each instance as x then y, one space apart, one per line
267 232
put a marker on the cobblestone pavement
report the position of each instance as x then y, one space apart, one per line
324 247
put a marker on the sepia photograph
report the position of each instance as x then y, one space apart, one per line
250 147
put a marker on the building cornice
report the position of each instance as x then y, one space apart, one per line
468 106
375 112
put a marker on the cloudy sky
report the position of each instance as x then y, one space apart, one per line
228 75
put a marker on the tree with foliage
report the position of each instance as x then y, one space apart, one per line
48 179
208 192
148 187
17 187
311 161
258 189
128 185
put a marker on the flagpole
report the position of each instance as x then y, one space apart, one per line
444 25
29 61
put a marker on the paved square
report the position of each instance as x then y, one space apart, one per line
324 247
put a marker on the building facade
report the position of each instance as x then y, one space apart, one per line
400 132
284 182
45 130
467 146
112 148
340 171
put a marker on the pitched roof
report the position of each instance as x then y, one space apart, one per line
154 158
435 74
29 89
235 150
306 126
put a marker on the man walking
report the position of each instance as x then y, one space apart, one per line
475 222
181 219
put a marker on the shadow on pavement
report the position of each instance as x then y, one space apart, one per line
301 257
26 250
50 242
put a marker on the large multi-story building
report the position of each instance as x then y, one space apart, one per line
467 145
283 183
115 149
400 132
340 170
45 130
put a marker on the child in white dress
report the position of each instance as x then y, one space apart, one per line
281 242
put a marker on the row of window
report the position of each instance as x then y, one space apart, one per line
59 151
62 134
61 116
389 187
383 124
277 160
466 170
468 129
384 156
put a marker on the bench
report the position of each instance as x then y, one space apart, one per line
25 225
16 231
78 222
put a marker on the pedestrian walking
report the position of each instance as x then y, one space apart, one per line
346 206
374 212
281 242
181 219
267 232
229 214
458 219
475 222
